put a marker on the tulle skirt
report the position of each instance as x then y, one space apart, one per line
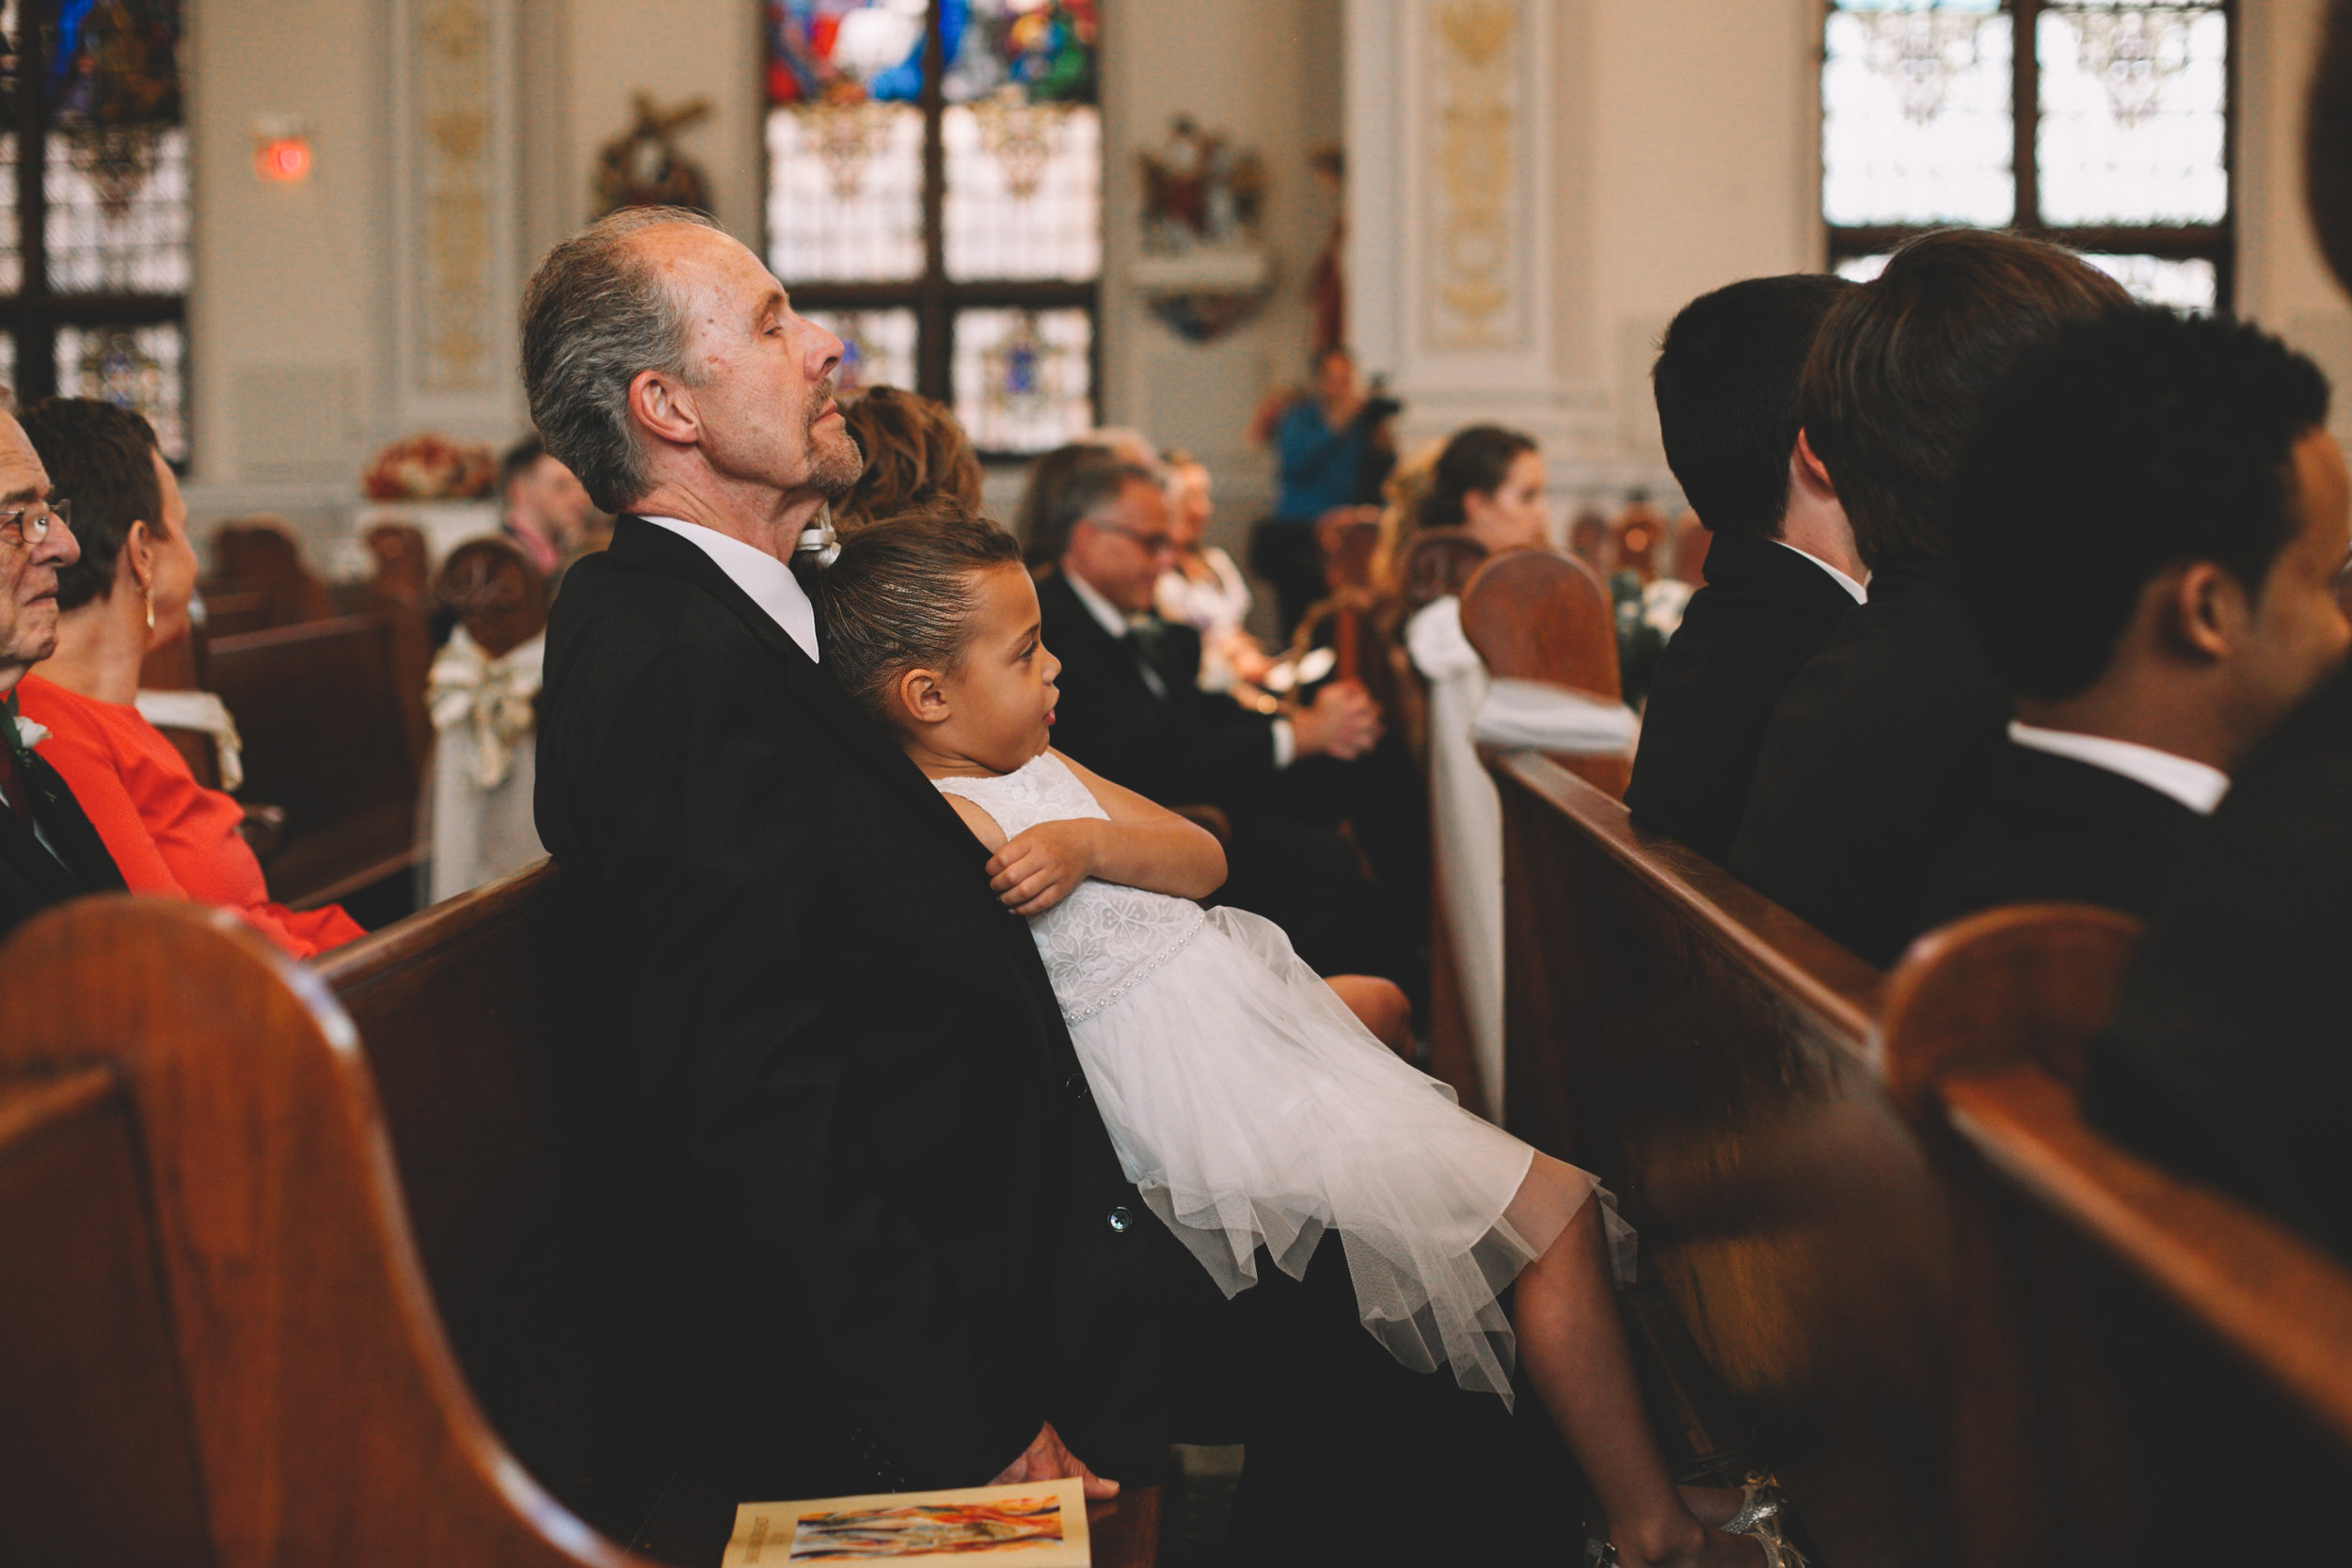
1251 1108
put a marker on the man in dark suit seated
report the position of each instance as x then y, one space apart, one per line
1880 740
49 853
864 1187
1781 568
2150 526
1132 709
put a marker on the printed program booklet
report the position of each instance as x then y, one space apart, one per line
1035 1525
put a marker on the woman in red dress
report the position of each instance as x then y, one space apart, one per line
129 592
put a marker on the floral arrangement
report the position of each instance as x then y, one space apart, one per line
431 468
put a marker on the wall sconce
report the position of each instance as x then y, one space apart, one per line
281 148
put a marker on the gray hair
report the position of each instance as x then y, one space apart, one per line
593 316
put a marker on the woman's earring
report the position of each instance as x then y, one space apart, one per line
149 589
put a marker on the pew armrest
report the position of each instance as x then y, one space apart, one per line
2273 1296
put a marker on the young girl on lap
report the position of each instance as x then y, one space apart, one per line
1248 1106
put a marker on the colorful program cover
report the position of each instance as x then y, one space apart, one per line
1037 1525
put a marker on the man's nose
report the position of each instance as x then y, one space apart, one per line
59 550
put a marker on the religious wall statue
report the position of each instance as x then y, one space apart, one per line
644 167
1204 270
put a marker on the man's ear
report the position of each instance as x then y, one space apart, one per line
665 407
1810 468
2202 610
920 696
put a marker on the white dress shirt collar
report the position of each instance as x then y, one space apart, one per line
769 581
2194 785
1106 613
1861 594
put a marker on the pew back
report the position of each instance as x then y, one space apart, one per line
2144 1369
328 735
1709 1055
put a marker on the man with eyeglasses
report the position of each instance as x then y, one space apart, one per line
1132 710
49 853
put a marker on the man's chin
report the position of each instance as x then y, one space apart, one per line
834 461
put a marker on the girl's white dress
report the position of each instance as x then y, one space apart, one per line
1250 1107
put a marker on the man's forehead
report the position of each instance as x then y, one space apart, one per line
22 476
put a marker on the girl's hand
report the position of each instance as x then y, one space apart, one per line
1039 869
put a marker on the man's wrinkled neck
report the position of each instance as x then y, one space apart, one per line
767 520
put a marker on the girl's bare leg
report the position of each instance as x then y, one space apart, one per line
1573 1349
1381 1006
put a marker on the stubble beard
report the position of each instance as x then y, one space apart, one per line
834 461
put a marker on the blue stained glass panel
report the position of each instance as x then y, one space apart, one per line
846 51
1033 51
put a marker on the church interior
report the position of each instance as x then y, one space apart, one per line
649 650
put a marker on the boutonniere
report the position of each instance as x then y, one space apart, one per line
29 735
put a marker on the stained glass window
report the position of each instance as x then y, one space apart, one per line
94 206
934 196
2102 124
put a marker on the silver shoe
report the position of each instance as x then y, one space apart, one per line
1759 1515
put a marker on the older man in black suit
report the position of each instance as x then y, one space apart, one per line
836 1046
1880 741
49 853
1132 710
1781 574
2151 526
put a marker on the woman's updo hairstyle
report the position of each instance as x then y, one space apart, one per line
914 450
1478 458
900 596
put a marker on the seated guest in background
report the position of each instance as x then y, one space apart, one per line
1203 588
126 593
915 451
1781 574
1881 739
548 513
2149 528
1333 449
1489 482
49 851
1130 708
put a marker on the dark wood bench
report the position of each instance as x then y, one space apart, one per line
330 735
395 1322
2144 1369
1961 1326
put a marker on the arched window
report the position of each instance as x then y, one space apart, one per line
2101 124
934 196
94 209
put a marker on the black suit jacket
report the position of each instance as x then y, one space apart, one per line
1764 613
1876 749
846 1044
2050 829
2230 1058
1181 746
32 877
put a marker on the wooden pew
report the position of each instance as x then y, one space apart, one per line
260 556
330 735
389 1312
2145 1370
1711 1056
1541 615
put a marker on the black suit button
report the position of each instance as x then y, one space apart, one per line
1119 1220
1075 1086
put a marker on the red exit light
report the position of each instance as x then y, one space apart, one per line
286 159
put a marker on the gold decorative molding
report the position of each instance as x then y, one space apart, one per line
1477 119
449 139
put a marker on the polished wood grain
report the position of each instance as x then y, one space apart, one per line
1541 615
98 1463
331 726
2142 1364
331 1423
1711 1056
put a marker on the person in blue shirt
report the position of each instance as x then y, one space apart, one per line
1335 450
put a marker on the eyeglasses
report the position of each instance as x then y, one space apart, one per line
1149 543
30 525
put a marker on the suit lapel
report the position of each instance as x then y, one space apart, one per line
648 546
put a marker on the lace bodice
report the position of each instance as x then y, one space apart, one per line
1103 938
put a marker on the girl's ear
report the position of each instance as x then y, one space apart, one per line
921 698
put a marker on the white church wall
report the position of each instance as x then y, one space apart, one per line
1678 151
